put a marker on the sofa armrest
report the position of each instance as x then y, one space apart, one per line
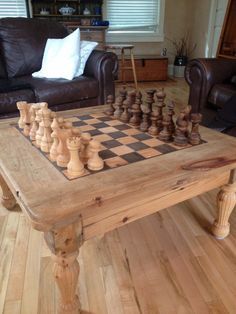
202 74
103 66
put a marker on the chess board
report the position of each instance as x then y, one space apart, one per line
121 143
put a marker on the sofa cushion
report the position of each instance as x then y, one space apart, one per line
220 94
22 41
59 91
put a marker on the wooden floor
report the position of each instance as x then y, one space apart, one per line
165 263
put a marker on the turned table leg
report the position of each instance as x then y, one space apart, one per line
7 198
64 244
226 200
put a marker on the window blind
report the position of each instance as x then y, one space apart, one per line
133 15
13 8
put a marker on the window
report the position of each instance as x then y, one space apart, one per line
134 20
13 8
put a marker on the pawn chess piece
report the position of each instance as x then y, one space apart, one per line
181 132
40 131
34 124
194 136
160 96
166 135
46 140
95 162
145 119
153 130
118 111
170 113
21 107
75 167
85 153
136 110
110 103
53 150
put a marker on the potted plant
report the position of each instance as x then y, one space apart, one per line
182 52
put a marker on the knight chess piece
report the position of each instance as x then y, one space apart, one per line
181 131
21 107
194 136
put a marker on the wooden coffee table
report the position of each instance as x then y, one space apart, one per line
71 212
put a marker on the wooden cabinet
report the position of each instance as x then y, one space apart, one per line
51 9
148 68
227 42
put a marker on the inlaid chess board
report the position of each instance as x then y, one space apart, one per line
121 143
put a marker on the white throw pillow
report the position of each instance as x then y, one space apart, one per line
86 47
61 57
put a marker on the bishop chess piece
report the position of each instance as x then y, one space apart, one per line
194 136
95 162
110 102
136 110
75 167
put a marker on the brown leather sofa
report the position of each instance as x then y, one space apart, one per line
22 42
212 84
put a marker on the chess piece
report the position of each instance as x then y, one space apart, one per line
76 131
95 162
160 96
85 153
60 121
153 130
136 110
118 111
46 140
150 98
75 167
40 131
53 149
181 132
194 136
26 119
63 156
34 124
125 116
21 107
170 113
166 135
145 118
111 109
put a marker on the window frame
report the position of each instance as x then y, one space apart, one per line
19 15
146 36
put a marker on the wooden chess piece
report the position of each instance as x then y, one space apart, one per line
46 140
26 119
95 162
165 135
194 136
145 118
63 156
136 110
170 113
125 116
160 96
150 98
181 131
34 124
118 111
75 167
153 130
110 103
84 149
40 131
53 149
21 107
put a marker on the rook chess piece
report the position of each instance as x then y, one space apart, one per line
75 167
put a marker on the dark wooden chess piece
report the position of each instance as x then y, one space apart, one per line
136 110
153 130
170 113
194 136
119 108
160 96
181 131
125 116
166 135
150 98
110 102
145 118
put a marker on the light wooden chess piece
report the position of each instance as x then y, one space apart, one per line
75 167
26 119
53 149
34 124
21 107
95 162
46 140
84 149
63 156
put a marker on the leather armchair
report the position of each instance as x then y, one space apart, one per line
212 83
